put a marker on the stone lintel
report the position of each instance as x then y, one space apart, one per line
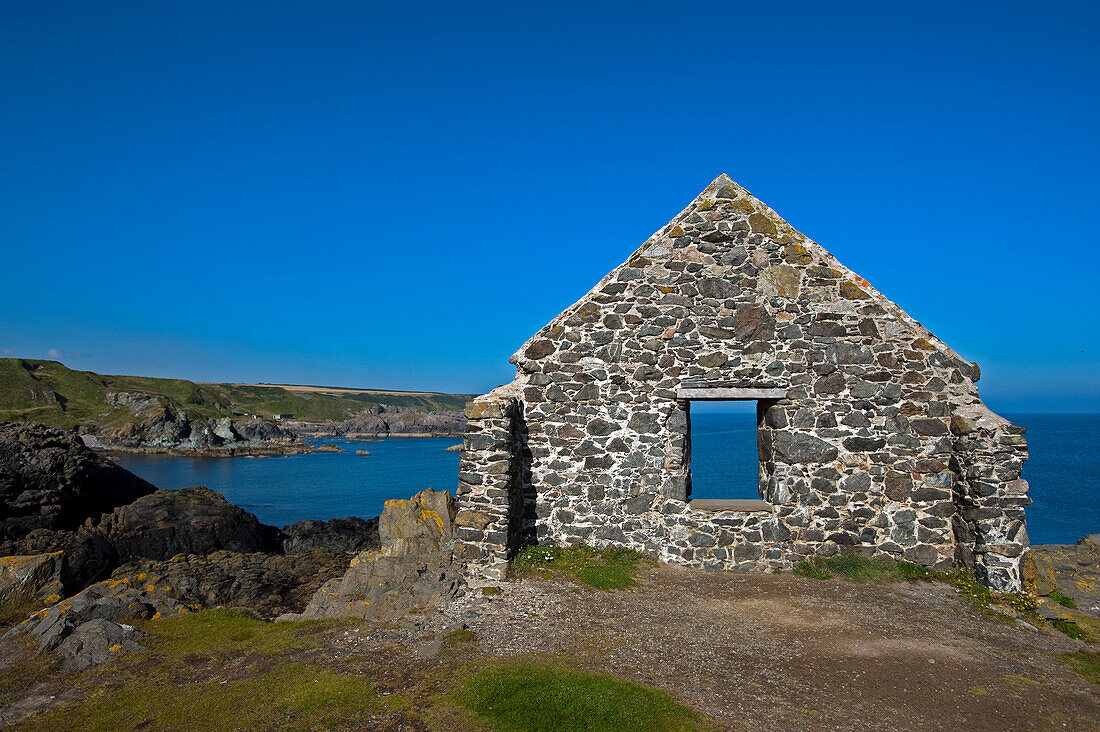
730 393
730 504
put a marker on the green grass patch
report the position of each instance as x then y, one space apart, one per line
219 670
224 633
1068 627
289 697
1083 662
861 570
605 569
528 697
1063 599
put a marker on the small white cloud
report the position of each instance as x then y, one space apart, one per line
6 352
57 354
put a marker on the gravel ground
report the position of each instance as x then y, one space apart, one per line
778 652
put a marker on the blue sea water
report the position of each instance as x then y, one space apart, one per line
319 485
1061 471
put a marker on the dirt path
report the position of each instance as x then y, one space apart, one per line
779 652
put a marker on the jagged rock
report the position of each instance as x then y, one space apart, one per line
114 601
96 642
49 480
414 569
186 521
347 535
160 429
88 556
268 584
1074 568
423 524
1038 574
36 577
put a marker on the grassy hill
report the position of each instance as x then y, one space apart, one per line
51 393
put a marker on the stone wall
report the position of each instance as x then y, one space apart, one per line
876 441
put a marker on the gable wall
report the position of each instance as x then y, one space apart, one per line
588 443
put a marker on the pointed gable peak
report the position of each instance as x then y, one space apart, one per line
723 188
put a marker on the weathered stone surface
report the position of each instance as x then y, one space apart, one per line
872 435
1037 573
95 642
414 568
796 447
39 577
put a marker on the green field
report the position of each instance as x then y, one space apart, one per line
50 393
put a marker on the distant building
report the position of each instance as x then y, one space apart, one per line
282 416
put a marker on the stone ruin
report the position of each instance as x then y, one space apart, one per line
871 434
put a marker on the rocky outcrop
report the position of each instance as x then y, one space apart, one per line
33 578
49 480
186 521
1073 570
175 551
350 534
414 568
160 429
96 642
383 421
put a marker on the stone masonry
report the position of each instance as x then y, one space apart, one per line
871 434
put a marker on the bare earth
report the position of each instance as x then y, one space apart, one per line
778 652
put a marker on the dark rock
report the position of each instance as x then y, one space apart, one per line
186 521
928 427
346 535
899 485
49 480
864 444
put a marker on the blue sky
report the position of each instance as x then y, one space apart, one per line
399 195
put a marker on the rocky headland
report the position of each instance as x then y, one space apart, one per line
156 427
385 421
133 414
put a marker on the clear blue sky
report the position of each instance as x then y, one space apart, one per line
399 195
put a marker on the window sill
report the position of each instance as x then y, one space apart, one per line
730 504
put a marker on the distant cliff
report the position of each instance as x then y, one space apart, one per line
150 414
384 421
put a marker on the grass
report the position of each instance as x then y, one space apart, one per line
530 697
1063 599
605 569
1083 662
1069 627
861 570
15 610
81 397
219 670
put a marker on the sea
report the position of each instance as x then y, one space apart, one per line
1062 472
